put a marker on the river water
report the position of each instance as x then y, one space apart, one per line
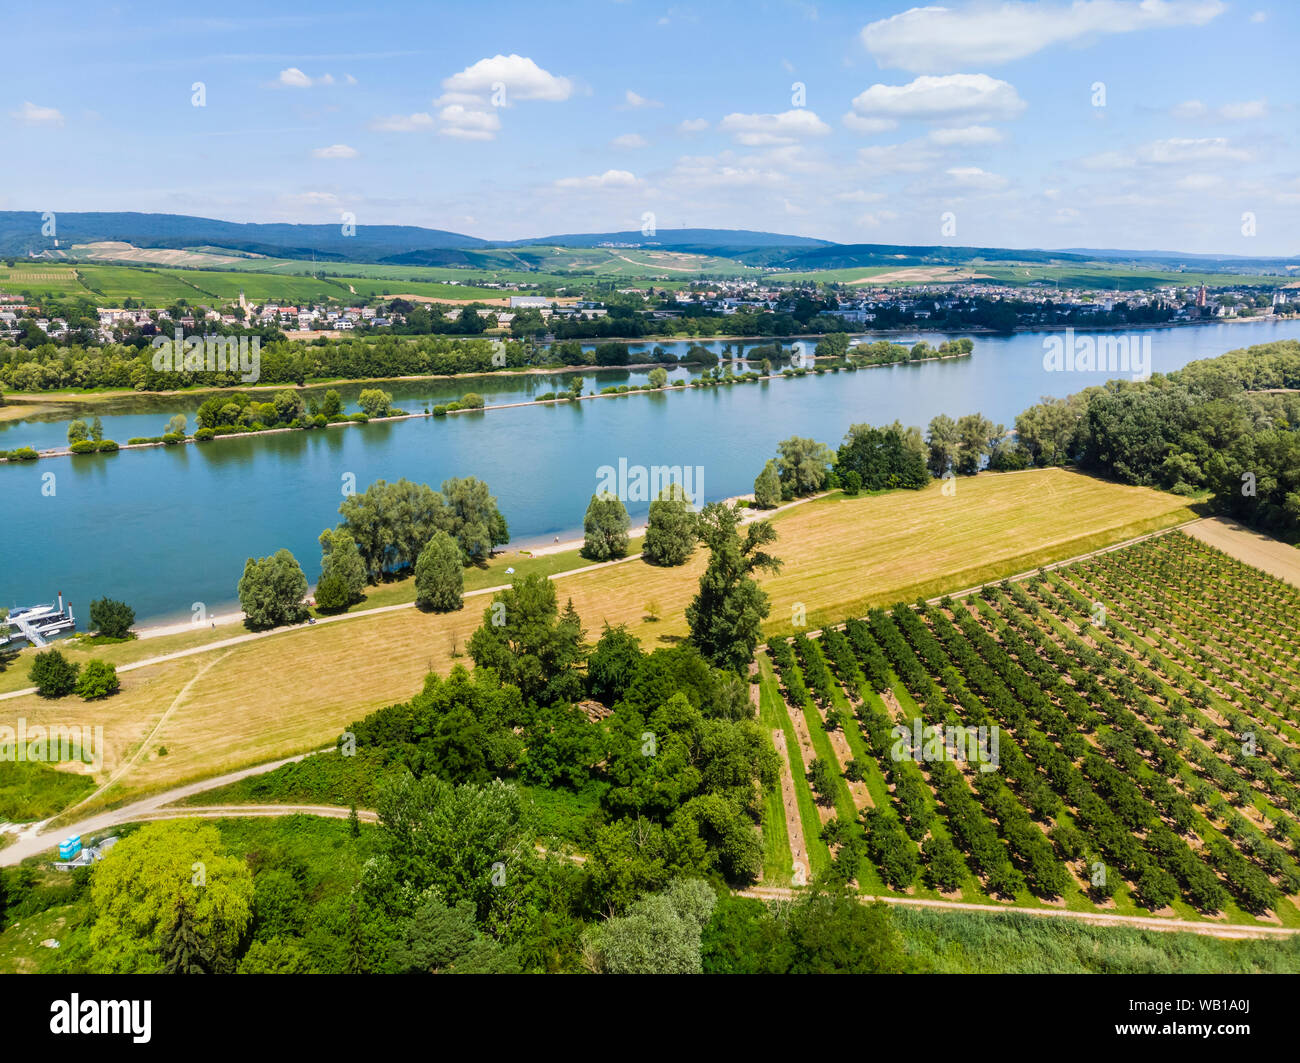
163 528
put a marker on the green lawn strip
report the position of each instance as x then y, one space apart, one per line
819 854
778 860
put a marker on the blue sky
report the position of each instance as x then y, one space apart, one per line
1098 123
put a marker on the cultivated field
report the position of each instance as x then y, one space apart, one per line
291 691
1147 708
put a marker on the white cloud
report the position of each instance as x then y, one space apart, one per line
293 78
694 125
635 100
1181 150
928 39
629 140
522 78
335 151
876 220
785 128
966 136
1259 16
608 179
910 156
1241 111
472 98
30 114
468 123
858 195
952 98
975 178
403 123
1172 151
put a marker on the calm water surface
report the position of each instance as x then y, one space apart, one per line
166 527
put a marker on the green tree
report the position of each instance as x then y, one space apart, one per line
53 675
97 680
528 643
470 515
342 567
97 430
670 533
613 663
803 465
439 575
375 402
272 589
659 934
332 405
183 949
605 528
726 616
978 435
658 377
177 425
78 431
767 488
111 618
135 891
276 956
942 442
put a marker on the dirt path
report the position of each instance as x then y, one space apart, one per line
37 839
1139 922
1254 548
861 795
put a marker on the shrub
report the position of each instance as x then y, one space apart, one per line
84 446
136 441
53 674
471 400
202 435
171 438
98 680
360 418
106 446
111 617
23 454
440 411
319 421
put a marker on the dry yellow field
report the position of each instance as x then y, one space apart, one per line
294 691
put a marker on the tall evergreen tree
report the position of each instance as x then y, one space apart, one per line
184 950
726 617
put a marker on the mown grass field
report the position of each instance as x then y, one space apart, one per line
293 690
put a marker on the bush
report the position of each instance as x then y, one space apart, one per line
84 446
23 454
471 400
111 617
171 438
202 435
319 421
360 418
440 411
53 674
98 680
136 441
333 594
107 446
545 396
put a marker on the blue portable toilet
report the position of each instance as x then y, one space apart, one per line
69 849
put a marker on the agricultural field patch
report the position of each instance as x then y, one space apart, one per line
1130 725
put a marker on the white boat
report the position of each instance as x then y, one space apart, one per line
39 623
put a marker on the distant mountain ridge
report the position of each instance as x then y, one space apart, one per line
21 233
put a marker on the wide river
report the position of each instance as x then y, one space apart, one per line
163 528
